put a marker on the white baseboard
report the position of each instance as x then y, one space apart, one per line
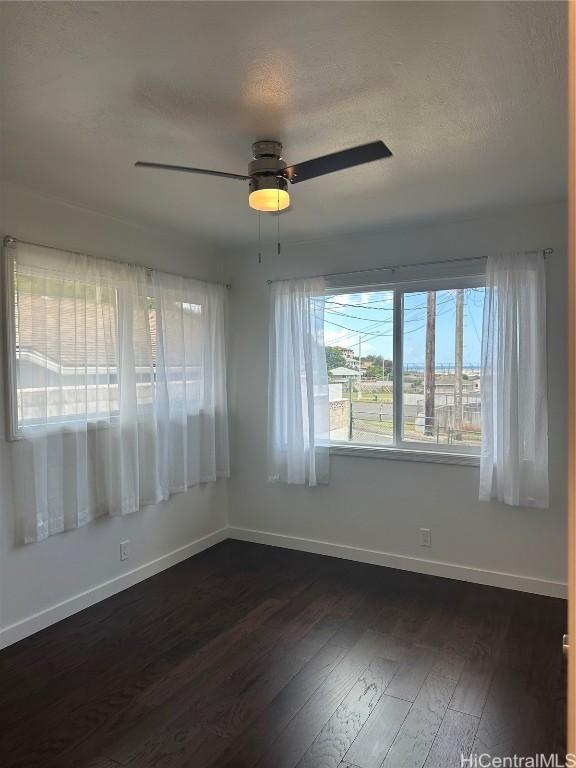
31 624
405 562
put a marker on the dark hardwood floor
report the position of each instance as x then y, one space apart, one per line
247 655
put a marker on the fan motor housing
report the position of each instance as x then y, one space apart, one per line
265 168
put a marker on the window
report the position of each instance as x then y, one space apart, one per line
65 348
83 333
116 386
404 366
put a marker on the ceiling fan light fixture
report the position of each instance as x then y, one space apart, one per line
269 200
268 194
269 175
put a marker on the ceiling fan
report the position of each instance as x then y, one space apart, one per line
269 175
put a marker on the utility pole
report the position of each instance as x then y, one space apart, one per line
430 370
360 366
458 367
350 407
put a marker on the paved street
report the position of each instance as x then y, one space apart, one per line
365 409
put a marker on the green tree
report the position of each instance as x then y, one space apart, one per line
375 370
335 358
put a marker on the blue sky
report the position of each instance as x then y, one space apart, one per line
371 315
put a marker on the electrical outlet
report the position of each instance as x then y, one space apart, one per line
124 545
425 537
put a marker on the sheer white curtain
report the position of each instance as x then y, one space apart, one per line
120 387
298 406
514 458
191 412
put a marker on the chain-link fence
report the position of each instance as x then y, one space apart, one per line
375 425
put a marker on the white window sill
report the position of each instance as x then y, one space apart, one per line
403 454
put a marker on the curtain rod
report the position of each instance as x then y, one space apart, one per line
10 240
545 253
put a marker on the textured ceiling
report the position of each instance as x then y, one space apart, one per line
470 97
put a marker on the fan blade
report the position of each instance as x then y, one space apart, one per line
185 168
337 161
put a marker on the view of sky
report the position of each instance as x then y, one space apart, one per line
369 315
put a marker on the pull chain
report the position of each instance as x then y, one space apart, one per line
259 239
278 221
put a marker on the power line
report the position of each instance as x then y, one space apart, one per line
370 331
380 322
355 317
446 300
368 328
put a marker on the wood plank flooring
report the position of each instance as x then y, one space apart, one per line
249 656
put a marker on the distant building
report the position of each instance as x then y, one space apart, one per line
347 353
343 373
350 356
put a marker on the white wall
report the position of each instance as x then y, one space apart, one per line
371 510
41 583
376 506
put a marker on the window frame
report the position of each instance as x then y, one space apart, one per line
400 449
